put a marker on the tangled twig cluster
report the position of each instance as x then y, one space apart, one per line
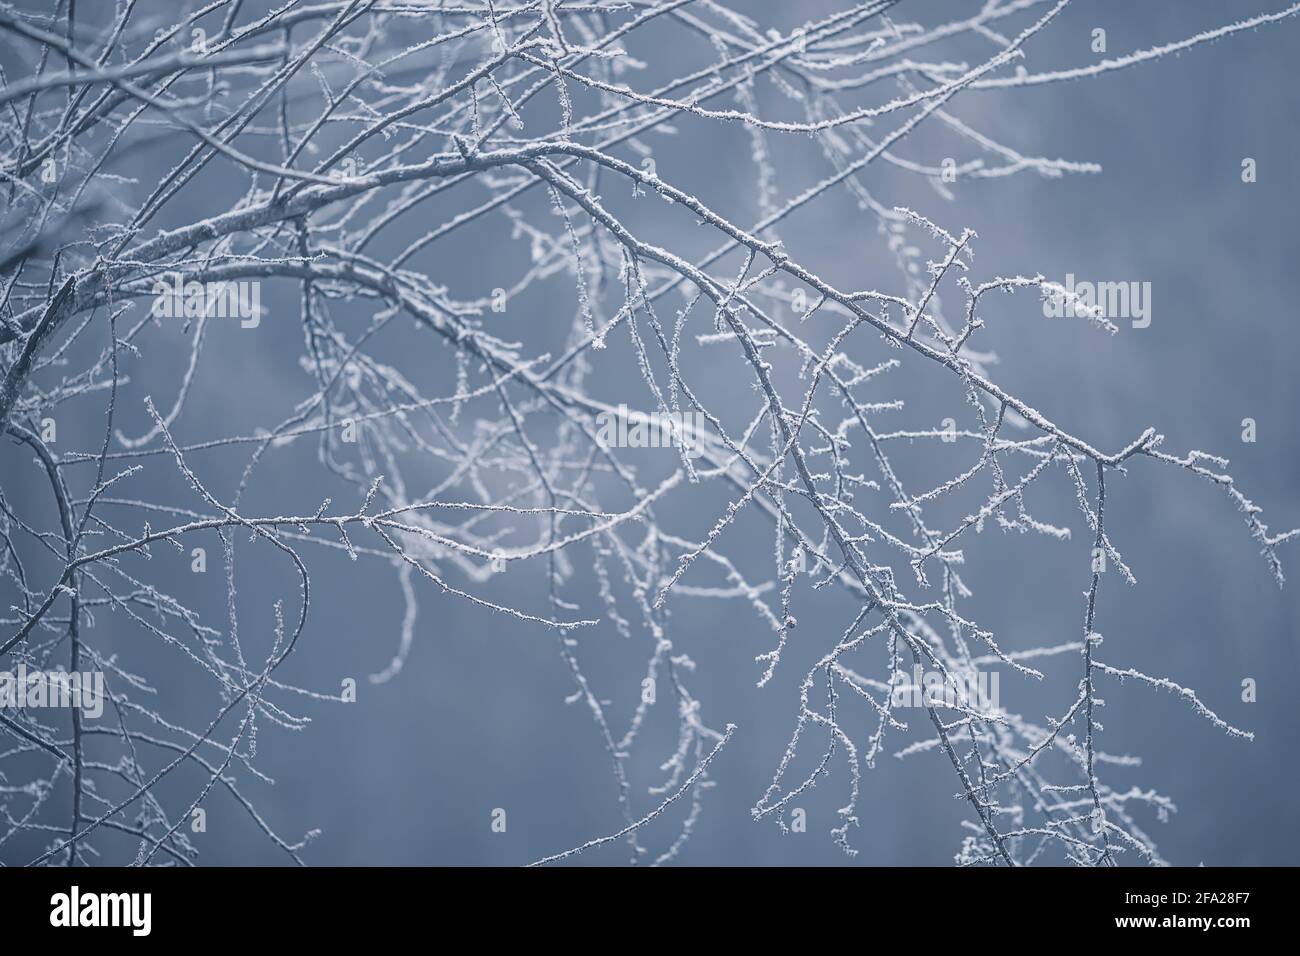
348 120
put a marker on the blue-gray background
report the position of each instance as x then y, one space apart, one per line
411 772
